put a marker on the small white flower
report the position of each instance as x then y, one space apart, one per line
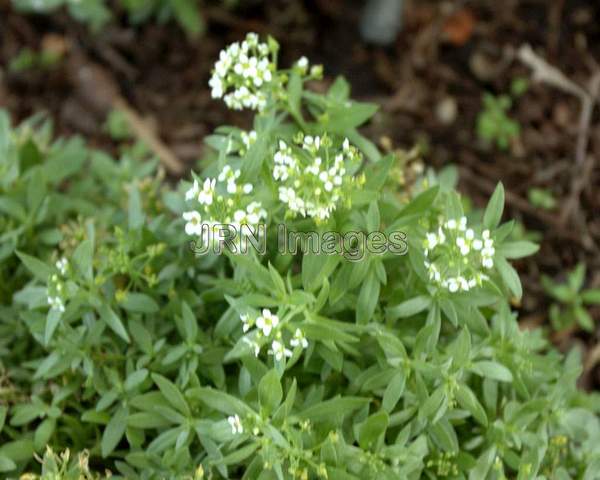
193 192
451 224
279 351
441 236
432 240
62 265
56 303
236 424
487 262
245 322
267 321
477 244
255 346
206 195
470 234
299 339
302 62
194 224
463 283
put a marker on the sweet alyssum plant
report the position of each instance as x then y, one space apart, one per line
123 345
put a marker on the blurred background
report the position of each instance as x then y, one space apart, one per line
456 82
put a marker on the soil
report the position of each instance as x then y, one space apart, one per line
429 83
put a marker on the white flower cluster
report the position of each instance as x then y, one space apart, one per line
217 207
56 293
313 175
266 324
242 72
455 255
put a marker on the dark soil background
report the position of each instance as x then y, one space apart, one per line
429 83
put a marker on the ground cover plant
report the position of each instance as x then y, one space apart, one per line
97 13
122 345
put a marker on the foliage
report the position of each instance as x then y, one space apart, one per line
28 59
117 340
571 300
97 13
541 198
493 122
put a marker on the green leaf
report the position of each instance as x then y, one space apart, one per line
135 379
43 433
584 318
256 155
467 400
419 204
335 407
315 268
509 276
141 336
270 392
39 269
372 429
52 321
113 432
187 15
433 404
368 299
139 303
190 325
483 465
294 91
18 450
278 283
409 307
3 411
444 435
377 173
83 258
36 191
394 391
6 464
373 217
492 370
339 91
494 209
591 296
172 394
221 401
576 278
136 214
147 420
518 249
111 319
239 455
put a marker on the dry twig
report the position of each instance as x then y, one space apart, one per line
146 135
583 163
544 72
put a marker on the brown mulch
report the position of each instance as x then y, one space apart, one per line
430 85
